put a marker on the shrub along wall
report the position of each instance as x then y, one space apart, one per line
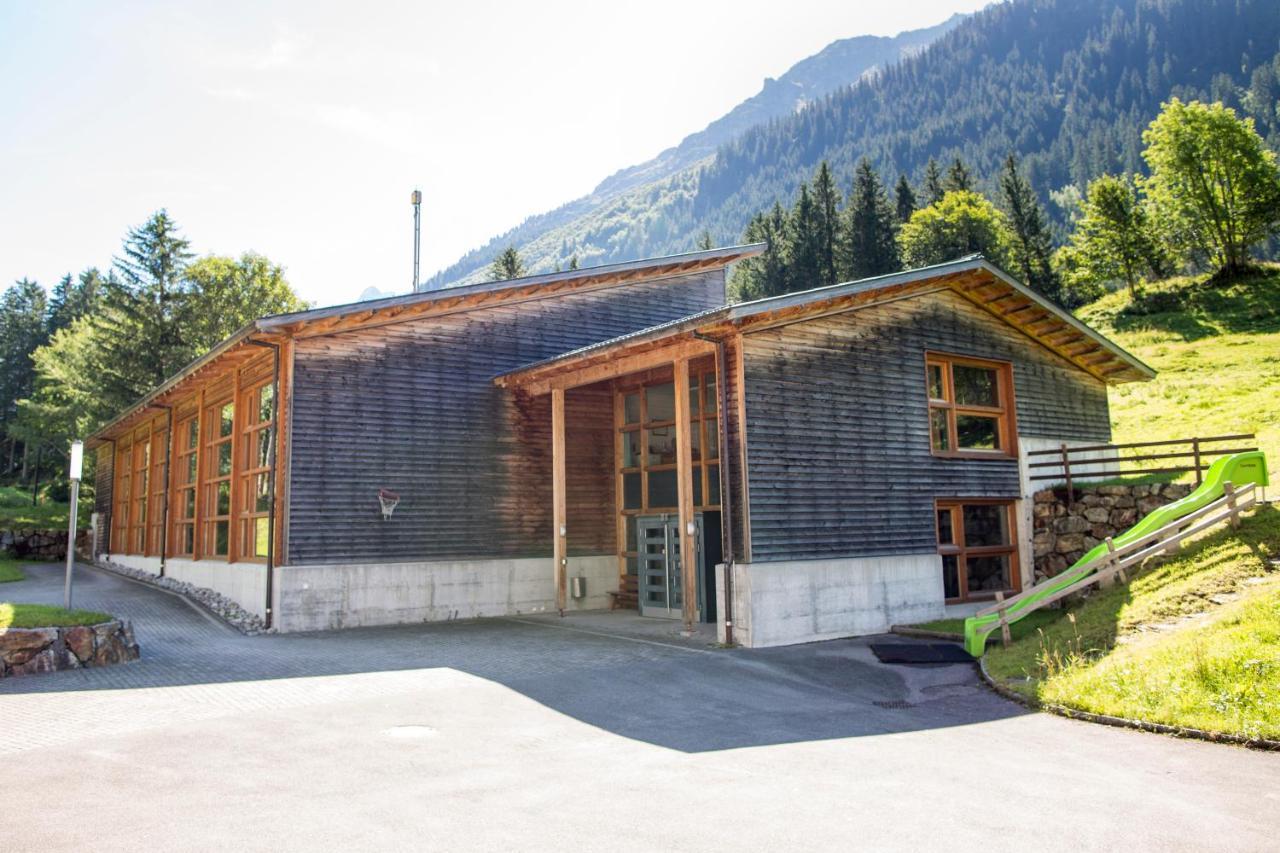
1063 530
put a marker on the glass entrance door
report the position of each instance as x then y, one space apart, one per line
661 568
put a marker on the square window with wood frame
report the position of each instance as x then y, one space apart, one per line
970 407
977 543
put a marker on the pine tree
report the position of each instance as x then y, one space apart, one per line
804 259
933 189
704 241
826 199
22 331
904 199
959 178
73 298
869 247
1031 248
145 310
507 265
573 262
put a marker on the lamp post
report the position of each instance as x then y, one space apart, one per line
77 463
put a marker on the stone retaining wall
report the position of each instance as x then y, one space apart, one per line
35 544
1062 531
26 651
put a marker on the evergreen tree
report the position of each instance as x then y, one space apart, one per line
766 274
804 260
904 199
704 241
507 265
573 262
869 247
73 298
959 178
146 309
933 189
1031 248
22 331
826 199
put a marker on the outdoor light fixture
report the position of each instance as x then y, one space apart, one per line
692 529
563 531
74 471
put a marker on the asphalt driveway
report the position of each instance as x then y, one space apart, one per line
566 735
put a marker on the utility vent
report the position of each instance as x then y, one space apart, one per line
894 704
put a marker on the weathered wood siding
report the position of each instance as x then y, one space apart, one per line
103 483
411 407
837 425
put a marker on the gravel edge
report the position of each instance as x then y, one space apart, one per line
226 610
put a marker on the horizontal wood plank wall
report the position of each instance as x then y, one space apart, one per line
103 483
839 457
412 407
590 472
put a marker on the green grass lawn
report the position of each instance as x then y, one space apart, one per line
1164 648
10 571
1217 351
45 616
16 510
1017 630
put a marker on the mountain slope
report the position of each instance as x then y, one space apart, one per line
1067 84
840 64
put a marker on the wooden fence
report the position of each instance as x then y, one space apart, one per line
1114 563
1072 463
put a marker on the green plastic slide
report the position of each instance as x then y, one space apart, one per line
1238 469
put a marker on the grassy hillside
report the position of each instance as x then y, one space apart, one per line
1217 350
16 510
1193 640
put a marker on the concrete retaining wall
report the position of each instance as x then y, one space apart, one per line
781 603
243 583
310 598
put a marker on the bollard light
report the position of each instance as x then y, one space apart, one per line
77 459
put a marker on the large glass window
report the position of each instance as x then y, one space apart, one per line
255 471
186 447
976 542
219 425
970 406
647 460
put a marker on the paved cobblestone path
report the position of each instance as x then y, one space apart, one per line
561 735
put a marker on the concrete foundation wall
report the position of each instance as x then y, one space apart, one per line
243 583
323 597
781 603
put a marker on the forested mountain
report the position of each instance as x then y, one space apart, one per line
1068 85
838 65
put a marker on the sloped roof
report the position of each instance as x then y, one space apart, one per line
412 306
973 277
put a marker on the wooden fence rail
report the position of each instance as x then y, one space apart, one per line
1071 465
1167 539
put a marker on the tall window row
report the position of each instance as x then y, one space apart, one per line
219 484
647 450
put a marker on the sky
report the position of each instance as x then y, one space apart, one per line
299 129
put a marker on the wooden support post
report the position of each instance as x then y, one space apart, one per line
1230 491
559 521
1005 637
1111 550
1066 470
684 491
1195 449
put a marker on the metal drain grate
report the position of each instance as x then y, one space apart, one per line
894 704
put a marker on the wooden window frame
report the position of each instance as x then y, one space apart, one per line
139 491
210 479
1004 414
702 418
122 497
247 471
185 457
156 501
962 551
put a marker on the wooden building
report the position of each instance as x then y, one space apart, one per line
836 460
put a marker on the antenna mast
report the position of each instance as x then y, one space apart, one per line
416 198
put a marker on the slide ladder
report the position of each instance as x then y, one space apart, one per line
1239 470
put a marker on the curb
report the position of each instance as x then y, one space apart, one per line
925 634
207 612
1262 744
